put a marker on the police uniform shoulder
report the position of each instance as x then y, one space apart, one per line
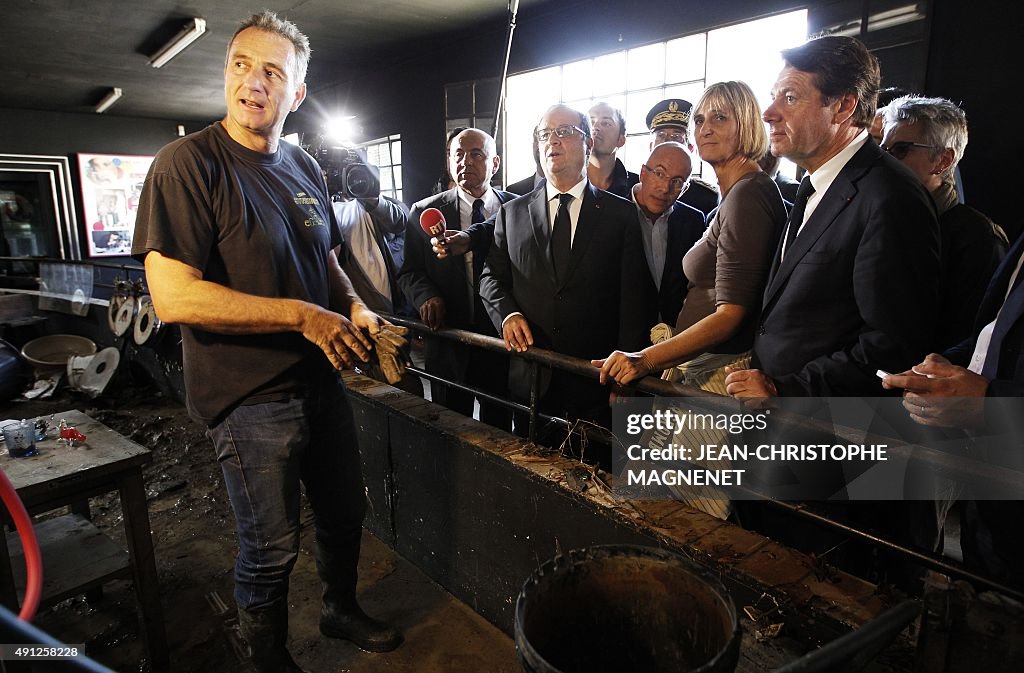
698 182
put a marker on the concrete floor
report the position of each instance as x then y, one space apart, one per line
441 633
195 547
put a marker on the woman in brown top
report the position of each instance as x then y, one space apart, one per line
728 267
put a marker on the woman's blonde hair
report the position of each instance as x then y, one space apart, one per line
737 99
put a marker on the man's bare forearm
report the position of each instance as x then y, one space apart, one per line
181 295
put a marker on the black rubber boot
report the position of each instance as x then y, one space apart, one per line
340 614
265 632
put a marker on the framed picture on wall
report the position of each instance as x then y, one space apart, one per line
111 185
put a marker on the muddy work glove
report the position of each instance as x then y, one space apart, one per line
389 359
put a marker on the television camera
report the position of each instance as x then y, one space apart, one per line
349 174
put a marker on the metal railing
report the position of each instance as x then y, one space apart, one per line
126 268
946 463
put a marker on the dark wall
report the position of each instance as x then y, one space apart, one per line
63 134
974 61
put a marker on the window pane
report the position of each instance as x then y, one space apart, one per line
638 105
386 183
486 96
373 154
787 168
646 66
458 100
690 92
576 80
741 52
581 105
609 75
633 81
685 58
396 151
398 176
544 84
385 155
635 152
460 122
529 95
484 123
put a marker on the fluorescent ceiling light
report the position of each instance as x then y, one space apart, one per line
189 34
112 97
878 21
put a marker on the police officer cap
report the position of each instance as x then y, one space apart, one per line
670 113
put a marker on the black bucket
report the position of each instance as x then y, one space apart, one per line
625 608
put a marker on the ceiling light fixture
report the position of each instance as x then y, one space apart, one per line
112 97
189 34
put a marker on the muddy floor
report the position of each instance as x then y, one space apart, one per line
194 540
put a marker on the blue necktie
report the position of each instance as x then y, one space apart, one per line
478 212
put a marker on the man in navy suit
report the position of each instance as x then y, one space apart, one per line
445 291
961 389
562 270
853 287
669 227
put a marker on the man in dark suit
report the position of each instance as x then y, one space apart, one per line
962 389
853 287
669 228
562 269
445 291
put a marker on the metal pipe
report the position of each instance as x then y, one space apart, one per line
928 560
534 399
944 462
79 262
479 393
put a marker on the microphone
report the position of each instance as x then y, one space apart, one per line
432 223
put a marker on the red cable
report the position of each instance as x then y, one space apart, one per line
33 559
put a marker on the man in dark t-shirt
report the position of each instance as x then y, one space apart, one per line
239 241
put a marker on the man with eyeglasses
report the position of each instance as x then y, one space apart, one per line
669 121
563 270
445 290
605 171
669 228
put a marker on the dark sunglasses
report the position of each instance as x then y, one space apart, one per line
902 148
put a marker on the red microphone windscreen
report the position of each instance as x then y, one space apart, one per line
432 222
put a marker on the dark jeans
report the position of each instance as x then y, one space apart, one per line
264 451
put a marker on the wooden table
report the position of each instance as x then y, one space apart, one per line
77 557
